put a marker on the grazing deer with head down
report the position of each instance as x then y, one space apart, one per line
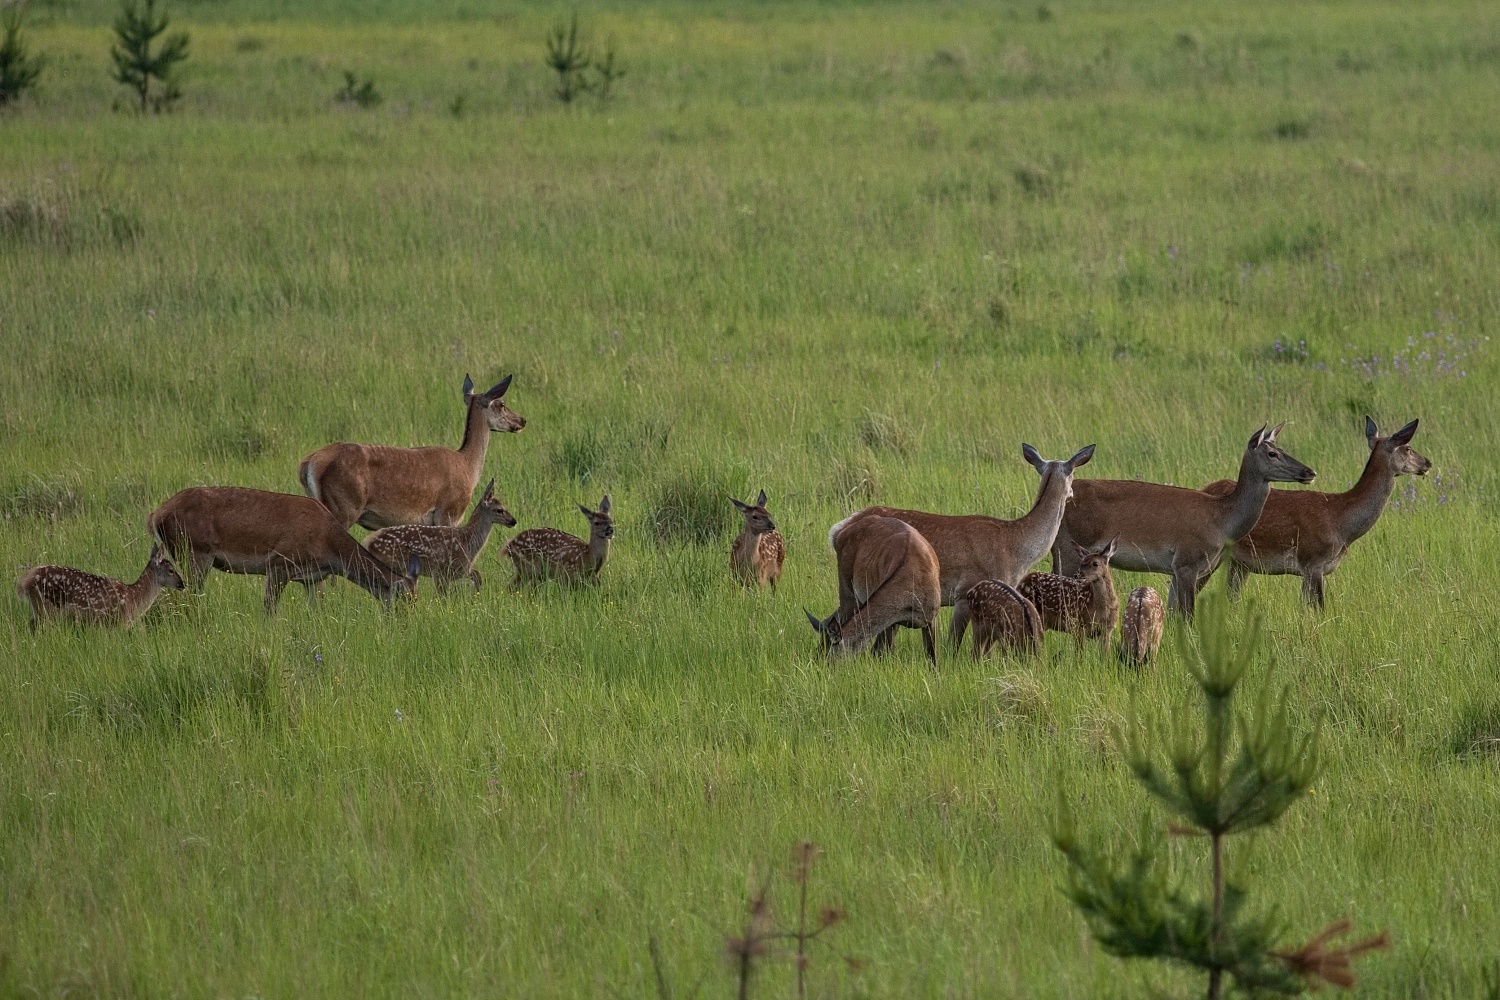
549 554
757 554
72 594
1141 622
971 548
1169 529
1306 533
285 538
888 577
376 486
1083 604
443 553
1001 615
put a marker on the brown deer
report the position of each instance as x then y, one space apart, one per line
283 537
1084 604
888 577
971 548
1141 623
1169 529
549 554
72 594
1308 533
757 554
376 486
443 553
1000 615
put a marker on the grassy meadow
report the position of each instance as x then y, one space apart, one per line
845 253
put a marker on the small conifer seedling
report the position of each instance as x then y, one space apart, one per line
136 65
19 69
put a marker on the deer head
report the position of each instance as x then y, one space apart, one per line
757 518
1046 468
497 415
1273 464
1093 564
828 630
160 567
1397 449
600 523
491 508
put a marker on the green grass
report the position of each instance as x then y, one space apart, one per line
841 253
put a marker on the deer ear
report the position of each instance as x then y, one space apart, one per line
1109 550
1275 431
760 501
1030 454
1081 550
812 620
1371 431
604 504
468 387
585 511
1258 438
489 491
742 507
498 389
1405 434
155 552
1082 458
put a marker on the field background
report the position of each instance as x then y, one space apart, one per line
841 252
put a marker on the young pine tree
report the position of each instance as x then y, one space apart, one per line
136 66
1237 772
19 69
568 56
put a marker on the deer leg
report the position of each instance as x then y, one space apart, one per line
276 581
1184 590
198 567
929 639
960 623
884 641
1238 571
476 579
1312 588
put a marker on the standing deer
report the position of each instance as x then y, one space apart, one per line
888 577
1307 533
971 548
1083 604
1169 529
443 553
1141 623
72 594
549 554
1002 616
757 554
285 538
376 486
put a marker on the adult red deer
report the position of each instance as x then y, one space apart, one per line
1306 533
376 486
1168 529
284 537
973 547
888 577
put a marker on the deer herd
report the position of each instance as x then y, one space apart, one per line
896 567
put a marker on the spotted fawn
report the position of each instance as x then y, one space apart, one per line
550 554
443 553
63 592
1084 605
757 554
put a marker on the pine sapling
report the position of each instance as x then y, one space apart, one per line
1242 772
136 65
19 69
569 58
609 70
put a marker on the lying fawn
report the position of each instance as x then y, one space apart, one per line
1001 615
62 592
285 538
888 577
758 552
443 553
1140 626
1084 604
547 553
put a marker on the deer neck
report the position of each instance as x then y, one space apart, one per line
1244 503
476 532
598 551
476 440
1365 501
1038 526
142 593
